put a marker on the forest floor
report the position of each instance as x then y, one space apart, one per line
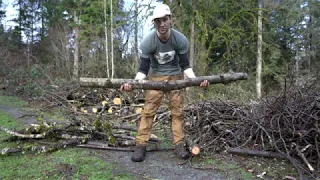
76 163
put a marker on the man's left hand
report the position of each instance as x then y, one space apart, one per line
204 83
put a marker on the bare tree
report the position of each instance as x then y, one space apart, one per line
61 51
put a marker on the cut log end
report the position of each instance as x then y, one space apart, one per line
194 149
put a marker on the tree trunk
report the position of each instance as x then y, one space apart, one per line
106 35
193 147
76 50
136 56
259 53
192 56
111 29
164 86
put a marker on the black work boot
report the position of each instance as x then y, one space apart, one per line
181 151
139 153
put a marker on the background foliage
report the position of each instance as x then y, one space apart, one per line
39 49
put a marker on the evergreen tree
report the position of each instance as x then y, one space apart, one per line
2 12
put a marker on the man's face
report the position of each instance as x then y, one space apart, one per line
163 24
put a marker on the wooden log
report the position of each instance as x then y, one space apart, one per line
192 147
164 86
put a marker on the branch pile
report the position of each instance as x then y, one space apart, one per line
285 126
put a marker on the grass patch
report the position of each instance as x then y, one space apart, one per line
10 123
55 114
234 171
165 136
63 164
238 167
12 101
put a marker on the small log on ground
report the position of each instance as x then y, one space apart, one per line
192 147
164 86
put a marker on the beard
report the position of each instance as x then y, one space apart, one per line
163 30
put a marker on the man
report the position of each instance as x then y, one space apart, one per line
164 52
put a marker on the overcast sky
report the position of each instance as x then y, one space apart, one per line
11 13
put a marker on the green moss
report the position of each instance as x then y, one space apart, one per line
107 126
134 134
97 124
112 140
164 136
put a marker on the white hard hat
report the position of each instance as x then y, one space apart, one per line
160 11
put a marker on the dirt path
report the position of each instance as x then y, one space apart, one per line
158 165
24 117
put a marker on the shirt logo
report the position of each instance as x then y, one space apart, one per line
166 57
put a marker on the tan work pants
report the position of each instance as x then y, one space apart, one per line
152 102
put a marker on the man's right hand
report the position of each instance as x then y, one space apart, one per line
126 87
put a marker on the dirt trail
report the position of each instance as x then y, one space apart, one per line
158 165
23 116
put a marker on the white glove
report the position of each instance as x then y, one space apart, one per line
189 73
140 76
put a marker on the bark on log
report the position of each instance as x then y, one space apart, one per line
164 86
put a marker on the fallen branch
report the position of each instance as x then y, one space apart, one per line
130 116
40 149
165 86
6 151
32 136
153 138
107 147
249 152
304 159
125 127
